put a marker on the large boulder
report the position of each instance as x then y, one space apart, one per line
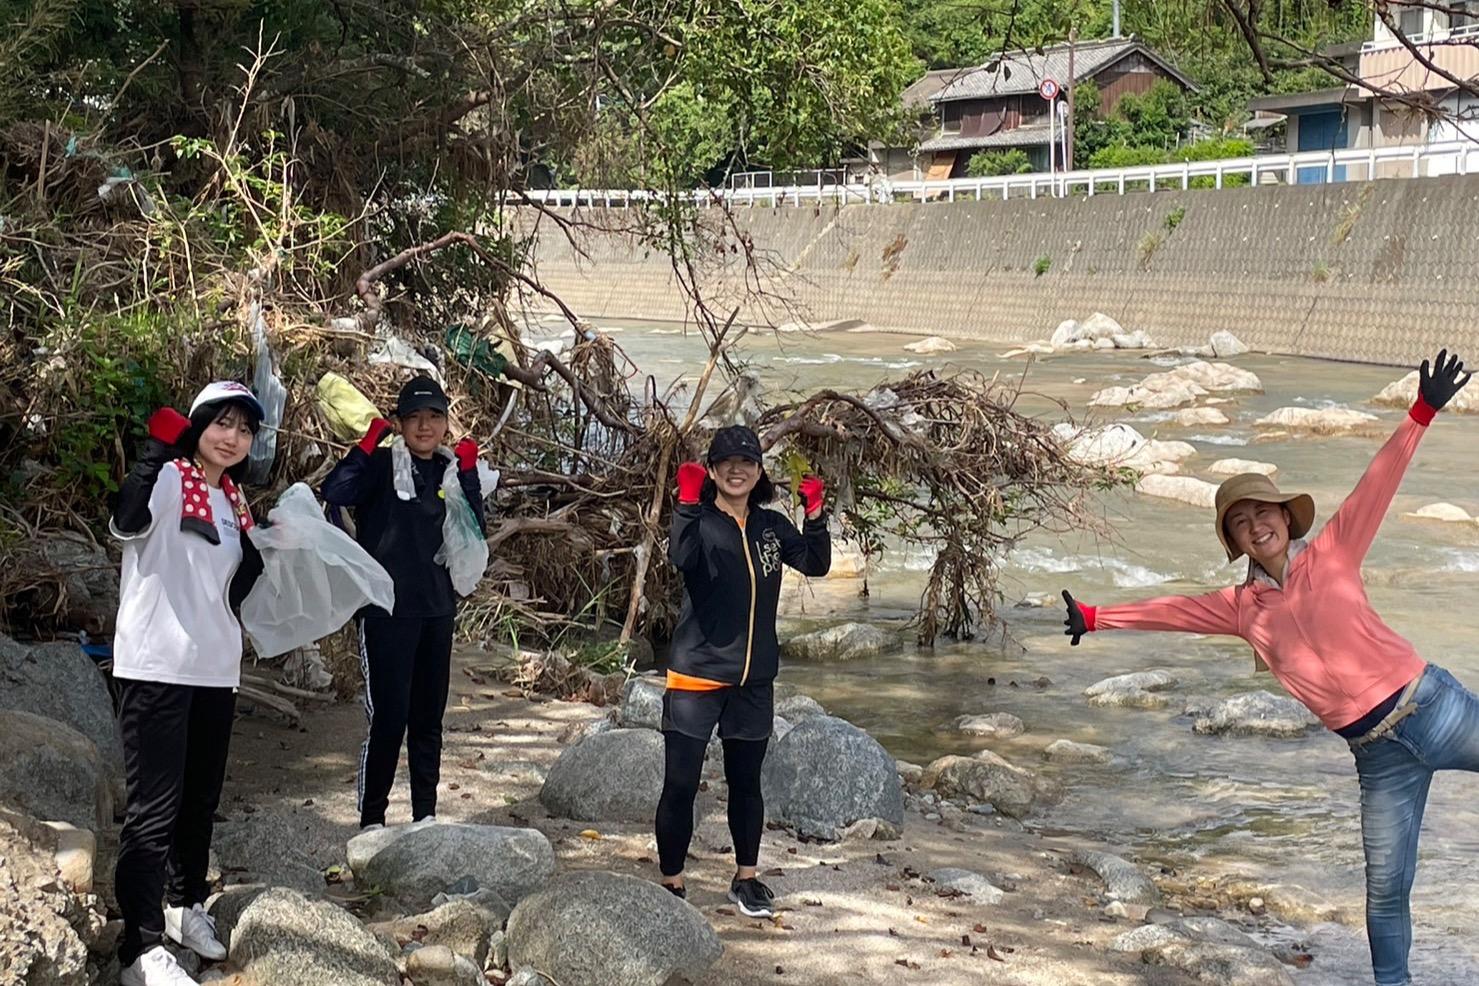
826 774
641 704
1320 421
846 642
1183 489
45 930
1219 378
1448 513
426 860
1192 417
1221 965
1225 345
1110 445
986 777
1259 713
795 707
60 682
1138 690
604 929
50 770
283 938
1156 456
89 582
267 846
931 346
1180 386
614 776
1236 467
1123 880
1067 751
1098 326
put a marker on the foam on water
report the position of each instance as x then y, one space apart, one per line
1218 439
1124 574
825 359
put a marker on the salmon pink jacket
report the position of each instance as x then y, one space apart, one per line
1317 633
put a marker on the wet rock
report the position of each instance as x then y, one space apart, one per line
1445 512
428 859
90 579
283 938
605 929
846 642
1225 345
1192 417
50 770
931 346
1402 393
1292 903
1122 879
459 925
1184 489
60 682
1138 690
1235 467
614 776
981 889
1257 713
1324 421
984 777
641 704
827 774
997 725
1067 751
796 707
438 965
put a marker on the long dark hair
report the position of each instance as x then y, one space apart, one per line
762 494
203 418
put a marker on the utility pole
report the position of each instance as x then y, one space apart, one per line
1072 83
1116 31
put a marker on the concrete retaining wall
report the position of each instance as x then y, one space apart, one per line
1381 272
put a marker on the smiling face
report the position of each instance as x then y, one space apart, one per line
226 440
424 430
1260 530
735 476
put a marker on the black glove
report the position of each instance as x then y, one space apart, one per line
1446 378
1075 623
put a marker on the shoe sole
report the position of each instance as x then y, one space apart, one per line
747 912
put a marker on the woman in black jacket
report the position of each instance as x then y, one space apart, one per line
725 654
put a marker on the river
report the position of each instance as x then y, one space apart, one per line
1276 810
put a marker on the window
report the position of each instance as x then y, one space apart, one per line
950 117
1464 15
1411 21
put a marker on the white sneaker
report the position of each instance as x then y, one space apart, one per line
425 820
372 827
193 928
156 967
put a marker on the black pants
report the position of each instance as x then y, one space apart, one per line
685 764
407 662
175 741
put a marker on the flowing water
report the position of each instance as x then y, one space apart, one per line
1276 810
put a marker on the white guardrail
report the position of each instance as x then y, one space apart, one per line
1305 167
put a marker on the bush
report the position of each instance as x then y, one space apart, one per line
1120 156
992 164
1216 149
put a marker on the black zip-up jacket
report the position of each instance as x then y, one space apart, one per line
732 586
403 535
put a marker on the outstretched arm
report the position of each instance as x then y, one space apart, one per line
1353 527
1213 612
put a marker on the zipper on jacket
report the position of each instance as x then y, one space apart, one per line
750 634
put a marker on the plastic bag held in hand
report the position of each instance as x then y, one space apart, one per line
314 577
464 550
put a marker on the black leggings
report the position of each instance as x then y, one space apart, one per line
685 764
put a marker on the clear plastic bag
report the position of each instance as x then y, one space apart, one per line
314 577
464 550
273 397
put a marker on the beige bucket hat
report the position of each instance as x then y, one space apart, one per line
1253 486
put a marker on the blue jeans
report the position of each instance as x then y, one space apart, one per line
1395 771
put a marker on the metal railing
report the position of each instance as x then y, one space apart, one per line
1305 167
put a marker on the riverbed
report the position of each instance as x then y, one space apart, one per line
1276 810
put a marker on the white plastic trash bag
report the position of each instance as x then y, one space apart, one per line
464 550
314 577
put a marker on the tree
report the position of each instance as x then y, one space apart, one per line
990 164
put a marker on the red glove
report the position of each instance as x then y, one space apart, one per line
812 488
167 425
691 476
377 431
467 455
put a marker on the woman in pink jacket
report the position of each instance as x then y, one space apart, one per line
1304 609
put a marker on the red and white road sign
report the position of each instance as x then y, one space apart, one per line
1049 89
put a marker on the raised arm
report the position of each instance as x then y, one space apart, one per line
472 485
132 517
350 483
1212 612
1353 527
809 550
685 543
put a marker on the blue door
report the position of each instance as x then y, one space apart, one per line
1321 131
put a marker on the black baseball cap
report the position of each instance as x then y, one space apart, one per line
735 442
420 393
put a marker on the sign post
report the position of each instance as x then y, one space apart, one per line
1049 90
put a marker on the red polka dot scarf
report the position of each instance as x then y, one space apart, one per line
195 500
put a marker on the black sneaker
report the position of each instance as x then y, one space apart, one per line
679 892
753 898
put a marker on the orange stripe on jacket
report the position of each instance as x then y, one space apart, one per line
679 682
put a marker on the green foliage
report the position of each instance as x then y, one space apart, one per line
1174 217
991 164
1120 156
1042 265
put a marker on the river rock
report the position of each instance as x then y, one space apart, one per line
362 846
428 859
1122 879
267 846
848 562
1225 345
1219 378
50 770
90 581
931 346
528 976
1196 928
984 777
283 938
1220 965
826 774
1138 339
846 642
1323 421
1446 512
610 777
1066 333
459 924
1236 467
1184 489
1259 713
998 725
604 929
60 682
1067 751
581 728
438 965
1292 903
45 930
1163 395
1160 457
981 889
1099 326
796 707
1137 690
1105 446
1193 417
1402 393
641 703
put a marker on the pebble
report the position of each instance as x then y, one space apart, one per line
1256 905
985 808
933 816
